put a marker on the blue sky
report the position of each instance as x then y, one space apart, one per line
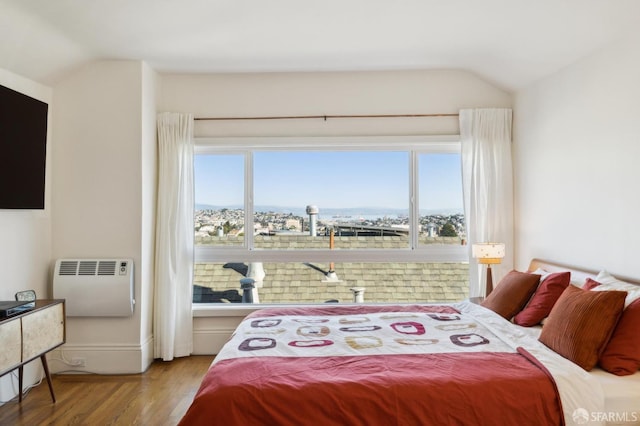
330 180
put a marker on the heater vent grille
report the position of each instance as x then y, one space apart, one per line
87 267
68 267
95 287
107 267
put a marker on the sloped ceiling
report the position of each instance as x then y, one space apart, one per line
510 43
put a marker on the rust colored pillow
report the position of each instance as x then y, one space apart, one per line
590 284
543 300
621 356
512 293
581 322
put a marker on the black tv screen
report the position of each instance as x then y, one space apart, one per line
23 148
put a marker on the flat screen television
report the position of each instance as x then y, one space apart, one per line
23 149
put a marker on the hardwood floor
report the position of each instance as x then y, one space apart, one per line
160 396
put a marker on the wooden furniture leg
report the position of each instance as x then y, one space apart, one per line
46 371
20 374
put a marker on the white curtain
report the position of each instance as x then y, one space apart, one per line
487 181
172 319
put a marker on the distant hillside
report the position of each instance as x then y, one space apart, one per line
330 212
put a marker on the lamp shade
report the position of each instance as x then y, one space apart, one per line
488 253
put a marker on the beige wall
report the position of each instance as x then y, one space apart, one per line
148 176
25 235
392 92
285 94
576 151
101 208
104 174
25 245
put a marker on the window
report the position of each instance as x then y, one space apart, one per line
323 216
440 194
220 180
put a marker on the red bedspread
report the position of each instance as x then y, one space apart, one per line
445 388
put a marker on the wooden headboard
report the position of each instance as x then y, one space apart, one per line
578 275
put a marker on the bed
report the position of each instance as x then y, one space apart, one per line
426 364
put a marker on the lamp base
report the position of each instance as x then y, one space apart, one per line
489 283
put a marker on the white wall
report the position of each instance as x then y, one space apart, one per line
286 94
149 176
273 94
25 236
576 163
104 172
102 128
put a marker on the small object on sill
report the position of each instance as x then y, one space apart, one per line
476 300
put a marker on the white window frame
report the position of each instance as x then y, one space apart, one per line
415 145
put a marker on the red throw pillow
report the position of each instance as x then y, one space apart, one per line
590 284
512 293
543 300
621 356
581 322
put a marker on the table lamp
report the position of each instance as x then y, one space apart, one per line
488 254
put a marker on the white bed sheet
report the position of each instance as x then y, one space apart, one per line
621 393
622 397
579 391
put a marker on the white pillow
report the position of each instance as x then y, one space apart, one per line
543 274
609 282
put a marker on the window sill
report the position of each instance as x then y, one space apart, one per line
239 309
221 310
209 310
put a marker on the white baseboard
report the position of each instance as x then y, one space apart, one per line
210 333
102 358
209 342
147 353
130 358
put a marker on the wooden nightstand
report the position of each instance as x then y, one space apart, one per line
30 335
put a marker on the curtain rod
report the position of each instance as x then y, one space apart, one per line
324 117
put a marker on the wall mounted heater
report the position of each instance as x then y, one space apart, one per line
95 287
